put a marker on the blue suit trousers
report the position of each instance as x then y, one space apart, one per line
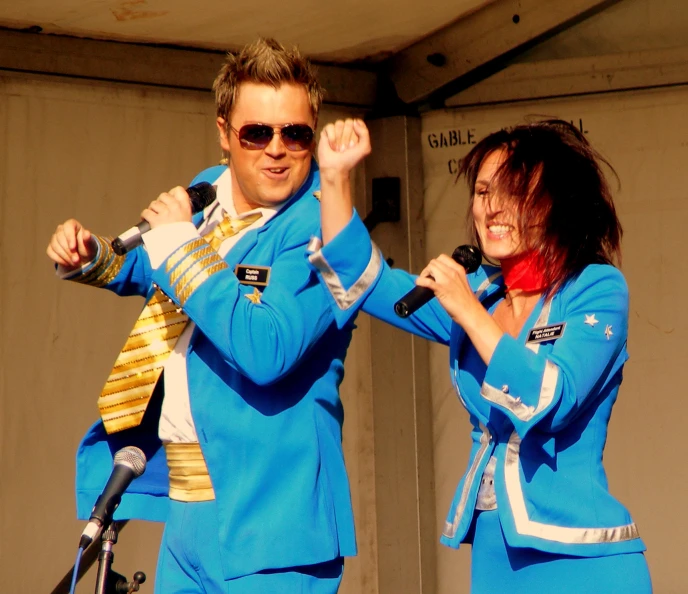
191 561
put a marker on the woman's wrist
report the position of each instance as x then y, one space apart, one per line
483 331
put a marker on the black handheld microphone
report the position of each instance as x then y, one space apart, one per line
129 463
468 256
201 195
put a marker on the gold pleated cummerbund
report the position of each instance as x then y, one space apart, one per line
189 478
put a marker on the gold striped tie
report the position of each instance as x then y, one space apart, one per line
125 396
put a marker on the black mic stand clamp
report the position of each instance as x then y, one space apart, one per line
107 580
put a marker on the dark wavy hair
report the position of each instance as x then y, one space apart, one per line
564 206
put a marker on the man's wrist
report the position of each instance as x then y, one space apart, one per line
334 178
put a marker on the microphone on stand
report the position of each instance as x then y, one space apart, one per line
129 463
468 256
200 194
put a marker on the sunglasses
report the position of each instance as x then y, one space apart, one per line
254 137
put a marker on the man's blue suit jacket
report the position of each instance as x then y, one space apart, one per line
263 384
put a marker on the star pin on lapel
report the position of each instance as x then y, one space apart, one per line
590 320
608 331
254 297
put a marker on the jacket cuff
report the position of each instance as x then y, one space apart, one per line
100 271
347 267
521 384
162 241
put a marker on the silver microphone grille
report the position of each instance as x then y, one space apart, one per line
132 457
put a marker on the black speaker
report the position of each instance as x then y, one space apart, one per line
386 202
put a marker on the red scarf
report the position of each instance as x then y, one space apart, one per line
523 272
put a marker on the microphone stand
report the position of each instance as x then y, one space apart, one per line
113 582
107 580
108 539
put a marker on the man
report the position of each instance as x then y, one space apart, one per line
251 480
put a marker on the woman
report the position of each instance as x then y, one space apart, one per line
537 347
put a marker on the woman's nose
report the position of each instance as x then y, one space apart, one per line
492 207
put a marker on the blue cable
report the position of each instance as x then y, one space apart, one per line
75 571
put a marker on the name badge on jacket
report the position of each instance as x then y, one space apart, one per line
256 276
545 333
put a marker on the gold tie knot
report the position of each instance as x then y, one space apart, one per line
229 226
